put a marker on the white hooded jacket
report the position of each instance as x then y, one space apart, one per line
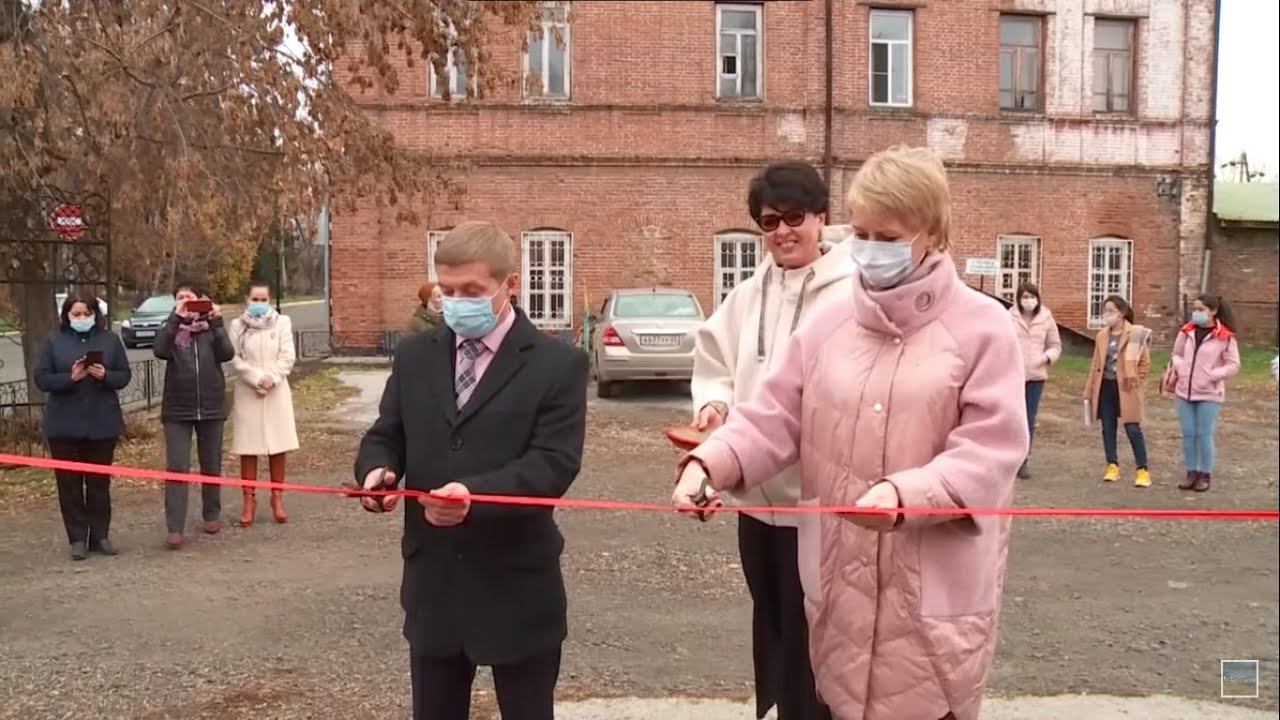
745 337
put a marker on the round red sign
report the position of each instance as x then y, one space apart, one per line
67 220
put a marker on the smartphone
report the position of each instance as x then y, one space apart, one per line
200 307
93 357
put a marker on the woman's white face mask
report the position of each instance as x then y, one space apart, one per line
883 263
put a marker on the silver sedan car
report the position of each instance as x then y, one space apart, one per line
645 334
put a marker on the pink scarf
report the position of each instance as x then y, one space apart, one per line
190 327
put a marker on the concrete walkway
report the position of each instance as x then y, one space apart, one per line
1062 707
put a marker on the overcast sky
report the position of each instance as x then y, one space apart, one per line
1248 78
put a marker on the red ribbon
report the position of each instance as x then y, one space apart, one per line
629 506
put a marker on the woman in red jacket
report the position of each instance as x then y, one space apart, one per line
1205 355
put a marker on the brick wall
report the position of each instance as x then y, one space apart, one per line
644 165
1244 268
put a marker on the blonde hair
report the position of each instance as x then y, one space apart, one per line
908 184
481 242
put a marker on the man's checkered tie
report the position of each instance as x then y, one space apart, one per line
464 378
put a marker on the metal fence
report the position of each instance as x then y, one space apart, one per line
142 392
320 344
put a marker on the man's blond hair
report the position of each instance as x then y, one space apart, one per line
481 242
908 184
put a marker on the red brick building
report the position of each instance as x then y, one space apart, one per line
1077 134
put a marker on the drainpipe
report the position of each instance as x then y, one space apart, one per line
827 161
1213 143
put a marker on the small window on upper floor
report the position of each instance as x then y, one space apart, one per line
546 63
1113 66
890 57
740 59
1020 53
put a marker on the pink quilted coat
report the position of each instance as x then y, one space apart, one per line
921 385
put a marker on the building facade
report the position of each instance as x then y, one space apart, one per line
617 148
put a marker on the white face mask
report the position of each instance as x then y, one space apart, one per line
883 264
1030 304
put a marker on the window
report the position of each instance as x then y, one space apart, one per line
546 63
546 292
1110 273
453 75
738 29
737 255
656 305
1019 62
433 243
1019 262
891 58
1112 65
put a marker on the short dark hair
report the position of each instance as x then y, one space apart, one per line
255 284
1122 305
89 301
1221 310
194 287
789 185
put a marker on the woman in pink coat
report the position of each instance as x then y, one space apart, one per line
1205 356
905 395
1041 345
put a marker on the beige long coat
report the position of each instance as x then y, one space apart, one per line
263 425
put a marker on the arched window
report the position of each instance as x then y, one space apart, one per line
1110 273
546 284
737 255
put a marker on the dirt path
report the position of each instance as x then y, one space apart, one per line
303 620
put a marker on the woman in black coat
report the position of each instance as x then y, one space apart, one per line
81 369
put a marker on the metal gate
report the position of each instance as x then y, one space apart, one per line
51 242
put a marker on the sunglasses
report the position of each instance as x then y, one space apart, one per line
793 218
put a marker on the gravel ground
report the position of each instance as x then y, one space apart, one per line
302 620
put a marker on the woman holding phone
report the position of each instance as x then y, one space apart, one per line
81 369
194 343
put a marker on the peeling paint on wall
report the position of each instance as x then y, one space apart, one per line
791 128
946 137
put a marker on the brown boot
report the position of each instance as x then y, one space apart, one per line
1192 477
1202 482
250 507
277 507
277 467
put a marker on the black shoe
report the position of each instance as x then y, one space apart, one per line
104 547
79 551
1024 472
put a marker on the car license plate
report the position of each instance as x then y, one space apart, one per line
145 333
659 341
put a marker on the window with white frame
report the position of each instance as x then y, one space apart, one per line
453 75
546 290
1019 257
433 243
890 58
546 62
737 255
1110 273
740 58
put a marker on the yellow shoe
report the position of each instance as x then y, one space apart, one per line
1112 474
1142 479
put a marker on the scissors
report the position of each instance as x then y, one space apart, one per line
701 501
359 492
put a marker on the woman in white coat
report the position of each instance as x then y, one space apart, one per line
262 422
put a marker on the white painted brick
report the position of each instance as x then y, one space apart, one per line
946 137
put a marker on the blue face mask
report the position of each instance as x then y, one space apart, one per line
1202 319
883 264
258 309
82 325
472 318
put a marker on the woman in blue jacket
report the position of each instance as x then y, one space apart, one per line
81 369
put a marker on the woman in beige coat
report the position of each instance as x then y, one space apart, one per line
262 422
1113 392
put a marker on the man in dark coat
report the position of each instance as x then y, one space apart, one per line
486 405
